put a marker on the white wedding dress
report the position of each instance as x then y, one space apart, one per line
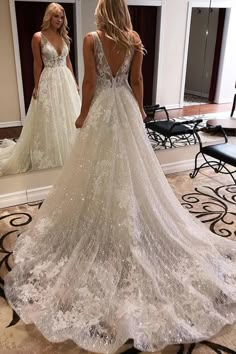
49 131
112 255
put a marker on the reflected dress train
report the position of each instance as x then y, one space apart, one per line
112 254
49 131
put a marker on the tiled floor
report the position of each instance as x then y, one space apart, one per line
209 197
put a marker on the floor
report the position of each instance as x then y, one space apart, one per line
192 100
209 197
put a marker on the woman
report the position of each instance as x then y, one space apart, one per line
119 257
49 132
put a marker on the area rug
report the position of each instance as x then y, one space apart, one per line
209 199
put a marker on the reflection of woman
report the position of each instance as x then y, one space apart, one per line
112 254
49 130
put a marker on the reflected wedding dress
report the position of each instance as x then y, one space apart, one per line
49 130
112 254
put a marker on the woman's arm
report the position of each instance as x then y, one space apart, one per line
89 81
38 64
70 67
136 79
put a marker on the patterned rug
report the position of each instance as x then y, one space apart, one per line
207 197
13 139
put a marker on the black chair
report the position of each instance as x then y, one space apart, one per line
167 132
223 154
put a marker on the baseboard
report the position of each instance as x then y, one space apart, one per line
224 100
11 199
173 106
10 124
37 193
180 166
25 196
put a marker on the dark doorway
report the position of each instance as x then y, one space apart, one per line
144 19
29 16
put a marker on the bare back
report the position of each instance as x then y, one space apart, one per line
114 54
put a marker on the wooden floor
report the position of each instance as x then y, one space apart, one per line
196 110
14 132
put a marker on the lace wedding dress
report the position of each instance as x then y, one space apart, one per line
49 130
112 254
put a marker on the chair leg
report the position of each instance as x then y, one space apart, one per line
233 107
196 169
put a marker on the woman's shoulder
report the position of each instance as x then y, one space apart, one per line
89 36
36 39
89 39
37 36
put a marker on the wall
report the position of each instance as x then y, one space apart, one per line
172 55
88 19
9 100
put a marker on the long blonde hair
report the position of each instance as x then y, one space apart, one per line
50 11
113 18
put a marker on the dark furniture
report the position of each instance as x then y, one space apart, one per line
216 156
167 132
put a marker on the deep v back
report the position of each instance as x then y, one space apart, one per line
114 72
106 76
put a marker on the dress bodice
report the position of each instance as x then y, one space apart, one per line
105 78
50 55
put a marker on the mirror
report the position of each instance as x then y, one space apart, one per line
169 35
42 134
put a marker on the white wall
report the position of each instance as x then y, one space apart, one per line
88 19
172 55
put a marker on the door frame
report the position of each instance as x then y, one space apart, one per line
78 47
228 4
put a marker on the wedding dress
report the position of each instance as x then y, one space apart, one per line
49 130
112 255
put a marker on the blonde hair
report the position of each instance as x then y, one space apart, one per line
113 18
50 11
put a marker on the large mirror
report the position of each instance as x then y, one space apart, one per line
189 67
